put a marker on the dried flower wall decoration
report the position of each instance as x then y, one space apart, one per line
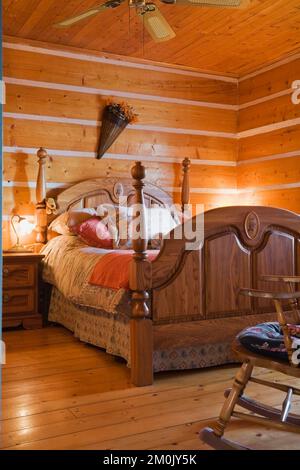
116 117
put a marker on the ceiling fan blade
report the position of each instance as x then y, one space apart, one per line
88 13
210 3
156 24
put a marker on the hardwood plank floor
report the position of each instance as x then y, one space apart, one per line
59 393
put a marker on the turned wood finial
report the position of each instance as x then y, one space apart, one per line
185 188
41 216
138 173
140 265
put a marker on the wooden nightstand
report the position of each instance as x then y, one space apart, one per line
21 290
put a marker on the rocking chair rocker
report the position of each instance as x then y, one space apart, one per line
285 359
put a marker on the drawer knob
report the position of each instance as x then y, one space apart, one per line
6 298
5 272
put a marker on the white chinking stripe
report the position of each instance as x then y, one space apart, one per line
272 187
123 63
277 156
117 93
54 185
229 191
140 96
32 184
264 99
92 123
171 130
151 158
268 128
177 189
119 156
235 191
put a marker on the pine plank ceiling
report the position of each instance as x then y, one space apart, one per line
218 40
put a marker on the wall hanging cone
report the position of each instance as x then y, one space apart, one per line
113 123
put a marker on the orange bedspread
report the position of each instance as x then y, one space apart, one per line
112 270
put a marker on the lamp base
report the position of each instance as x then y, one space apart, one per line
18 249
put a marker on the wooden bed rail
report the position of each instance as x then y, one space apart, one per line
141 334
41 215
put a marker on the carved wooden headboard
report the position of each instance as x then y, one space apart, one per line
93 192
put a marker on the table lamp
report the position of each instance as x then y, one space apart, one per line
20 226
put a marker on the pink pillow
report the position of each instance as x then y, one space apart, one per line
94 233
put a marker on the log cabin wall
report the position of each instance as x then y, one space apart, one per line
269 144
243 138
55 97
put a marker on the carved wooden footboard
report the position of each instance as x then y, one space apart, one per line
241 244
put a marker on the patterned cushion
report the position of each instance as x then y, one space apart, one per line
267 339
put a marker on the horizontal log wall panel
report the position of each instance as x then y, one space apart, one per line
18 201
273 172
34 66
49 86
72 137
22 167
271 143
269 82
207 202
21 200
66 104
276 154
268 112
284 198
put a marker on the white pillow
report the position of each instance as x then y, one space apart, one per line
59 225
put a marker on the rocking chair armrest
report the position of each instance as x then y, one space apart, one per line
279 278
269 295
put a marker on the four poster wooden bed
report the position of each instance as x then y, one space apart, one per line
184 310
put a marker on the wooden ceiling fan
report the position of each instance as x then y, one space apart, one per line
154 22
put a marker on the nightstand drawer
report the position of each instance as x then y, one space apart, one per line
19 300
18 275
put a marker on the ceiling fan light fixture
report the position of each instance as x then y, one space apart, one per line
157 26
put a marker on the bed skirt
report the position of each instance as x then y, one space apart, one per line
112 333
177 346
92 326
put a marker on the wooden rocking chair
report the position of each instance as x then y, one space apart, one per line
260 413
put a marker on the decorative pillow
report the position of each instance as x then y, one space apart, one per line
77 216
267 339
60 224
120 220
94 233
117 219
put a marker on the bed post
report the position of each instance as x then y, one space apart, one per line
41 216
141 334
185 187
